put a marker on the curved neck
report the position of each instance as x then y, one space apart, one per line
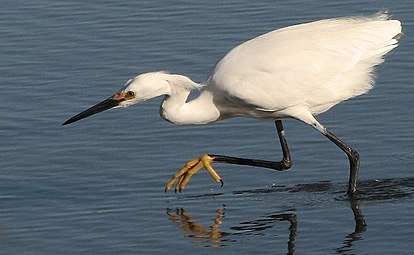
176 109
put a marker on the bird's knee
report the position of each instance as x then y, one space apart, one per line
353 156
286 164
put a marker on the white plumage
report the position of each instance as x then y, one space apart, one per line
309 67
313 66
299 72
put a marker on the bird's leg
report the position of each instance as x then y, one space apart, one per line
352 154
284 164
353 157
287 160
193 166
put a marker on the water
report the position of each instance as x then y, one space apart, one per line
96 187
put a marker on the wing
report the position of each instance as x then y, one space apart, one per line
317 64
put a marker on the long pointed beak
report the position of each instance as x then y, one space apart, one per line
109 103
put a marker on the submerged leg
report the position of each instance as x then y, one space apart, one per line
205 161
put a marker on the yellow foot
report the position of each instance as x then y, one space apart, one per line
191 168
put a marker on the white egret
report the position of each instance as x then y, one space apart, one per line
295 72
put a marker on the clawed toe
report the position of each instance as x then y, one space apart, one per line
190 168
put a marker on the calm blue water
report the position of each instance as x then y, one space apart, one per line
96 187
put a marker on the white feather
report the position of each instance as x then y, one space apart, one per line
314 65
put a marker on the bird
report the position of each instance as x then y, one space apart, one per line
296 72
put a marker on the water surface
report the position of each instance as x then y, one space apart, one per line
97 186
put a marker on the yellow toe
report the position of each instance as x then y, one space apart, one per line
190 168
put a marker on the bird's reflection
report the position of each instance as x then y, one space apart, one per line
369 191
360 227
212 236
266 222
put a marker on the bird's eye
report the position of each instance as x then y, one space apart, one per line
130 94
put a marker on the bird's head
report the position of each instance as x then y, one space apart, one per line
138 89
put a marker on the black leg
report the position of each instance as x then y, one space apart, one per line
353 157
284 164
193 166
287 160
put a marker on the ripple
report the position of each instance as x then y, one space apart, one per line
377 190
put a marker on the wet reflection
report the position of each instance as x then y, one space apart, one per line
267 222
377 191
211 235
360 227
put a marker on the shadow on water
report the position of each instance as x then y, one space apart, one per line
378 191
369 190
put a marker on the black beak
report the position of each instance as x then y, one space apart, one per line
109 103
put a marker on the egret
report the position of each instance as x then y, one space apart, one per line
295 72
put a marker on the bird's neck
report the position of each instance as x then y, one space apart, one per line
176 109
